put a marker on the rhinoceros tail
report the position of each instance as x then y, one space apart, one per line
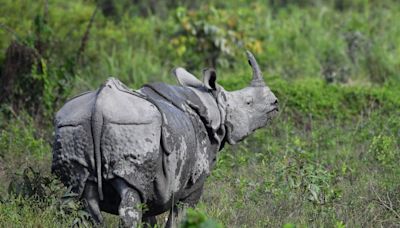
96 127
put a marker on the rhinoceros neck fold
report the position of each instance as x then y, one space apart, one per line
207 106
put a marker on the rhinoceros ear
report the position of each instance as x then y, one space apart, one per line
185 78
210 78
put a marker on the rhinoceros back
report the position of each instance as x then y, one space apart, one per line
106 133
130 138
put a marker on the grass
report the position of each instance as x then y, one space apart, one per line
330 159
313 167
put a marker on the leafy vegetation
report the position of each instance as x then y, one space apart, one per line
329 159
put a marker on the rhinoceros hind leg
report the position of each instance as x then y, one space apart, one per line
91 198
129 208
176 215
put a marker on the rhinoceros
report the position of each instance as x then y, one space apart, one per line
139 153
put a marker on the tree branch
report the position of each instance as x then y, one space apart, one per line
85 37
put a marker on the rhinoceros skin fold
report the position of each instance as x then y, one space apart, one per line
119 149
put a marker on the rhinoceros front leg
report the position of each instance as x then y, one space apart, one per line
149 222
176 215
91 201
129 208
179 210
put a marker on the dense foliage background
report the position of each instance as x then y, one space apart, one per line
331 157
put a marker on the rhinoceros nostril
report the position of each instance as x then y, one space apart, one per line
275 102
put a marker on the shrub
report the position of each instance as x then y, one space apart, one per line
197 219
36 199
385 151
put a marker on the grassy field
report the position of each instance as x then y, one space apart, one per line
330 158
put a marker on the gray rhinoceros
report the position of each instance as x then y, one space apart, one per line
120 149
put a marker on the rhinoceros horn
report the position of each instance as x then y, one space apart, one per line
258 80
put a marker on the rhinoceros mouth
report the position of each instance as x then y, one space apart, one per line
273 111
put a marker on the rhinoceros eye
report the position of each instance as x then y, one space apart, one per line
249 100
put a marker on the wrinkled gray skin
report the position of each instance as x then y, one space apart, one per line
109 143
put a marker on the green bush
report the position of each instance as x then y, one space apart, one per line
385 150
20 139
36 199
197 219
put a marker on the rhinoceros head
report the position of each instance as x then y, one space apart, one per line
250 108
244 110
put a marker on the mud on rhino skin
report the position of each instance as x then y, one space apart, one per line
156 145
